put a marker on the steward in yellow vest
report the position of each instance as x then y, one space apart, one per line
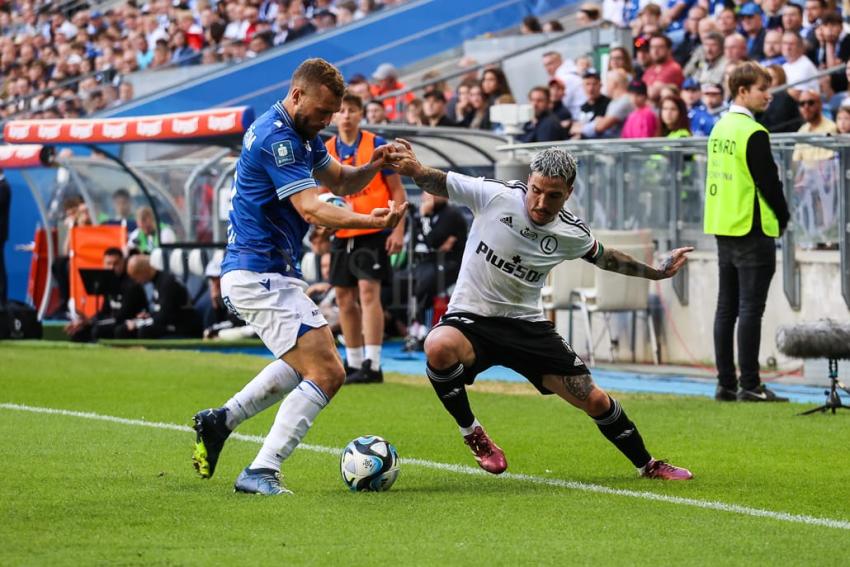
745 208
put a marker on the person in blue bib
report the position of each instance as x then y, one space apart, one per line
274 201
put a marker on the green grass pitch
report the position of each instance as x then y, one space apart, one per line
82 491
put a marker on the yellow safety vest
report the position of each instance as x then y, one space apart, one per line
730 192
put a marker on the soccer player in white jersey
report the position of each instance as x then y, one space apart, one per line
520 232
274 201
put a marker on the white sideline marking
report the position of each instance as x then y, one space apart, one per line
461 469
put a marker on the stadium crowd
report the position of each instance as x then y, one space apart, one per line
60 63
670 82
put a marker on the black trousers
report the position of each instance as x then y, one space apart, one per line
746 266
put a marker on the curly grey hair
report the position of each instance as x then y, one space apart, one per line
555 162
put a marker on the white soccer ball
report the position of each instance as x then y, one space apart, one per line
369 463
334 200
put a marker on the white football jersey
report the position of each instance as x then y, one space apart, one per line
507 257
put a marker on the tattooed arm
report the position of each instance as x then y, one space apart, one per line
615 261
427 178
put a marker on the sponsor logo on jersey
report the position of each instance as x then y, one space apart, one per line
508 221
249 138
528 233
282 152
549 244
513 268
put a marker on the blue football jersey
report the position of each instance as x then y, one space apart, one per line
265 230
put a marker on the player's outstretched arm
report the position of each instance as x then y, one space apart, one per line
613 260
426 178
315 211
348 180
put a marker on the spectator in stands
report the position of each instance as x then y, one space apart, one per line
797 66
123 300
642 59
259 43
832 48
182 53
545 126
709 66
690 39
792 18
664 69
674 121
588 14
735 48
596 103
478 115
772 48
842 120
414 115
530 25
554 26
675 14
359 86
566 72
556 102
376 113
386 76
171 312
494 83
753 27
299 25
435 110
727 22
619 107
782 114
619 58
459 105
642 121
144 238
814 10
701 121
772 13
324 20
648 21
811 109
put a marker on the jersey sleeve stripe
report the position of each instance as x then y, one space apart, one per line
324 163
295 186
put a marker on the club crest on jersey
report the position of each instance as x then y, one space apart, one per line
528 233
283 154
513 267
549 244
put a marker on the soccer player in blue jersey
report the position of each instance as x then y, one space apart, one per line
274 201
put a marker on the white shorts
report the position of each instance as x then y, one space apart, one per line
274 305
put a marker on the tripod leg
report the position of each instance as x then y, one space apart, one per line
813 410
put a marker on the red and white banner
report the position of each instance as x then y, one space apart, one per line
213 123
28 155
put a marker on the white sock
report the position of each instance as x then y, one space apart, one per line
467 430
373 353
354 356
267 388
293 420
